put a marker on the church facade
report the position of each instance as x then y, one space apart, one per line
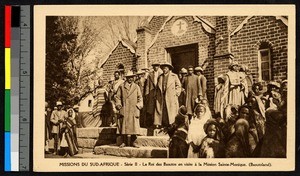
213 42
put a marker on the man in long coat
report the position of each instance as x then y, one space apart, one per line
150 92
57 117
140 81
202 81
192 90
167 93
129 102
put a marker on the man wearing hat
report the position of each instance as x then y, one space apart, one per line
182 74
146 70
129 102
140 81
202 82
56 118
150 92
272 95
168 91
192 89
232 88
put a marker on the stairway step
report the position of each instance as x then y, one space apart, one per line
93 132
132 152
86 143
152 141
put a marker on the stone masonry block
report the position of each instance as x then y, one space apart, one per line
90 132
131 152
86 143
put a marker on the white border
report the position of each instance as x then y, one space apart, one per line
40 13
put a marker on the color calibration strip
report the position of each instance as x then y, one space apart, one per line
7 136
17 88
15 69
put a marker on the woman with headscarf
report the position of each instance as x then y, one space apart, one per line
230 118
238 145
68 140
196 132
258 113
245 112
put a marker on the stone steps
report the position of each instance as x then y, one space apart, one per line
152 141
103 141
90 137
131 152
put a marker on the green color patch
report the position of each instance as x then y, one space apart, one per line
7 111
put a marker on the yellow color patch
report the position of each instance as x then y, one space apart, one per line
7 68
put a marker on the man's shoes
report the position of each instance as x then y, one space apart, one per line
135 146
66 155
113 125
122 145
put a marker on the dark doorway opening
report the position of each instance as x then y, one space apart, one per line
183 56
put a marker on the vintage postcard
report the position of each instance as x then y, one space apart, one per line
164 88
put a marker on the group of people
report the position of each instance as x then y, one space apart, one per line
246 121
251 124
151 99
61 124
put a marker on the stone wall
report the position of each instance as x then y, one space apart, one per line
195 34
120 55
246 42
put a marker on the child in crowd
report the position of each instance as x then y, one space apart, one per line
212 145
177 131
196 132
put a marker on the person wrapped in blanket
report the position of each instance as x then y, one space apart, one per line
178 131
68 144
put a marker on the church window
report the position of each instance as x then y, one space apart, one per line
264 62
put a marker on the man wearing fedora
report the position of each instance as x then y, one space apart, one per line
129 102
140 81
167 93
57 117
192 89
150 91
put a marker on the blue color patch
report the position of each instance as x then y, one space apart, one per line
7 159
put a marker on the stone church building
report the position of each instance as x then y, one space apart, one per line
259 42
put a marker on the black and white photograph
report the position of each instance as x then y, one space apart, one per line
141 90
